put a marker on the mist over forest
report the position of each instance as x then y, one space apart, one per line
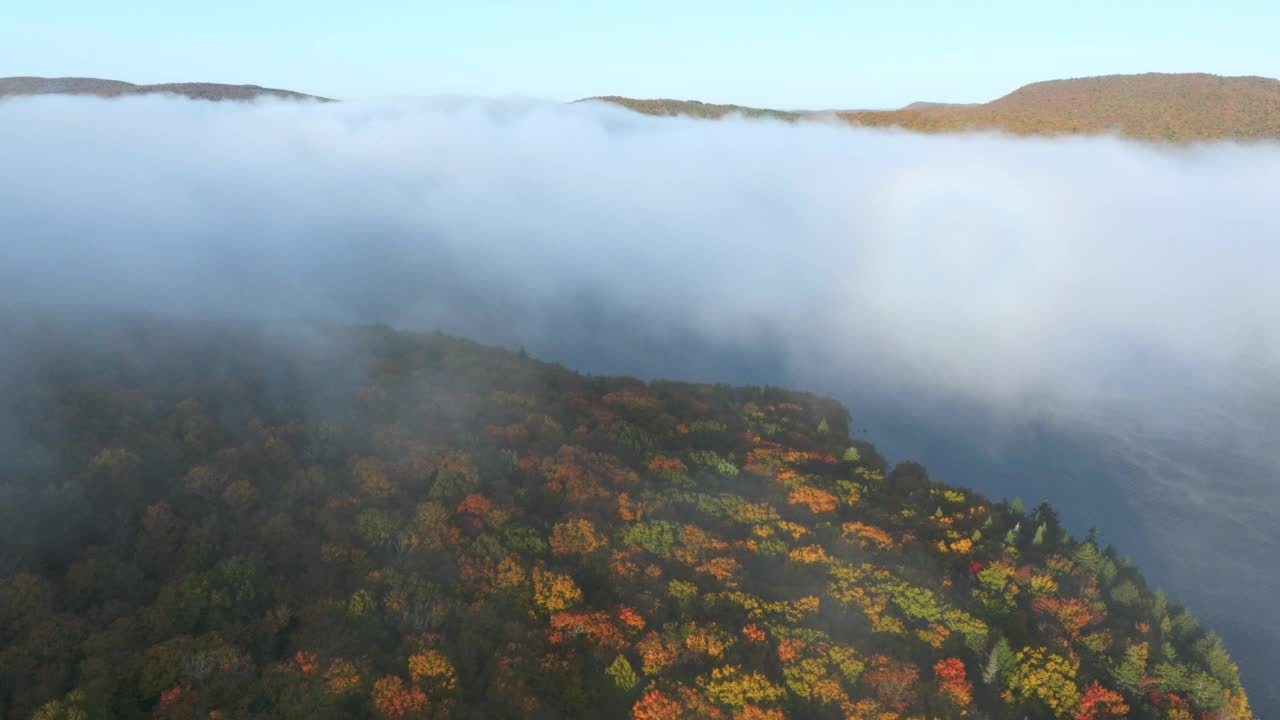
1088 321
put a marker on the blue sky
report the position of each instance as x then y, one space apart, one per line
810 54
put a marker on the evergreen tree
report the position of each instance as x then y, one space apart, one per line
999 663
1131 671
1048 516
1088 556
1215 657
1039 538
622 674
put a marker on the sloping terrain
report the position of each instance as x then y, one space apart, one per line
1154 106
117 88
694 108
210 522
44 86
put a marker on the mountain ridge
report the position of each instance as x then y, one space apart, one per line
693 108
32 85
1178 107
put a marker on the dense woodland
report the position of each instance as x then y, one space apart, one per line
694 108
16 86
363 523
1179 108
1154 106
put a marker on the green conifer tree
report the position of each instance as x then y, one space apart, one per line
622 674
1131 671
999 663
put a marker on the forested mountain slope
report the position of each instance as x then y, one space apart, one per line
1155 106
694 108
208 522
1152 106
117 88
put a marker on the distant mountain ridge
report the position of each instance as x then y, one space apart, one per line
1155 106
1181 107
118 88
694 108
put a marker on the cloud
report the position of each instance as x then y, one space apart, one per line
1118 297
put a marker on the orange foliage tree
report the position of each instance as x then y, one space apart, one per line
596 627
393 699
1100 703
656 705
953 681
655 653
818 501
1068 616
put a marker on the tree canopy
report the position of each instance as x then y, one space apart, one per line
396 525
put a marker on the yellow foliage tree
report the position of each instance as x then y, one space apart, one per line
1044 677
731 686
578 536
432 669
554 592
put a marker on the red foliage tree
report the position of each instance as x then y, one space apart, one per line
655 705
953 681
596 627
1100 703
393 699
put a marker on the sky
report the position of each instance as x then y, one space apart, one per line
805 54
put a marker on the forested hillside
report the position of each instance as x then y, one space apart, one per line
364 523
694 108
1153 106
14 86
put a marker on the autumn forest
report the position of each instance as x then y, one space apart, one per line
220 523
